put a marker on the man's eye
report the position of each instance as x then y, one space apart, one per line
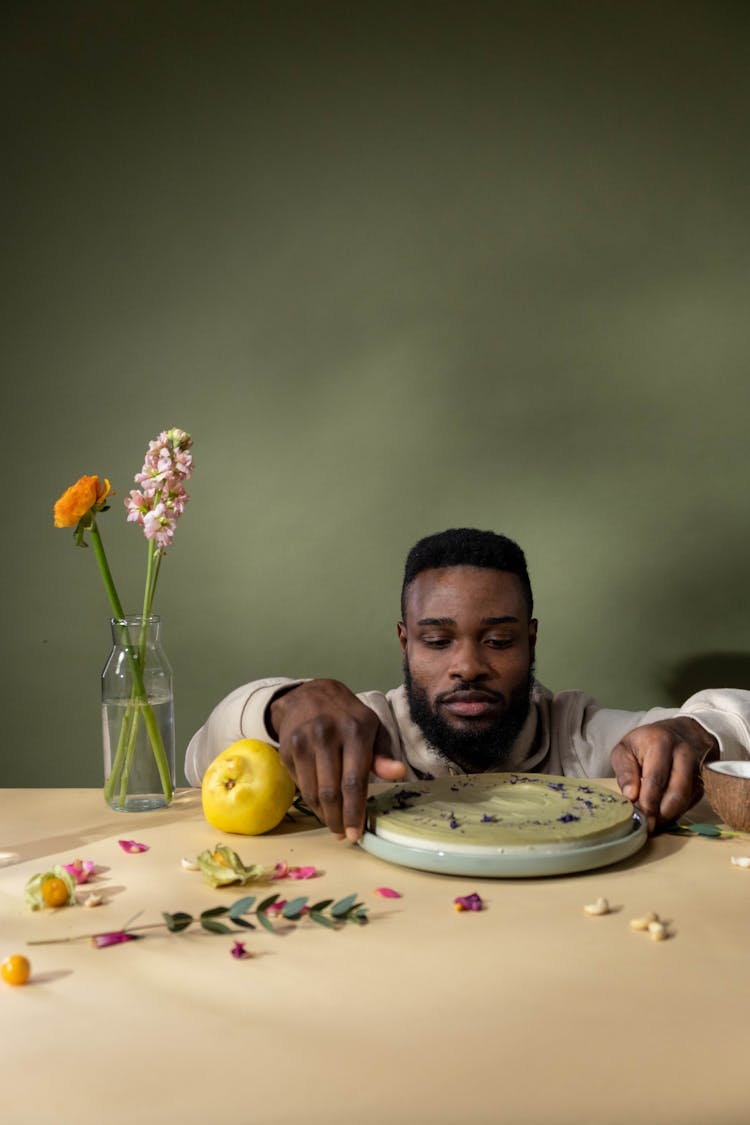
500 642
435 642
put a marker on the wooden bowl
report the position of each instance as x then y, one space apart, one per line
727 787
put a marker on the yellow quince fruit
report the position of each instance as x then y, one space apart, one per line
246 789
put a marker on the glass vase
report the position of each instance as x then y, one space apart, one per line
137 717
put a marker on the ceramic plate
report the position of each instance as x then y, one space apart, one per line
503 825
511 864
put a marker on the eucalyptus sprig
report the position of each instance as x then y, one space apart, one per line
326 913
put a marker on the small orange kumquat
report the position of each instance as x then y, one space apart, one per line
15 969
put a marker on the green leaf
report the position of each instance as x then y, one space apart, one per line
214 912
241 906
321 905
358 915
266 922
243 922
215 927
322 920
343 905
704 829
293 908
177 922
266 903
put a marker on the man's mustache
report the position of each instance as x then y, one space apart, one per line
467 688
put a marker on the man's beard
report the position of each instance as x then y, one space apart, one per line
475 751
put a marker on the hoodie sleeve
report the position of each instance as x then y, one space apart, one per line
241 714
588 733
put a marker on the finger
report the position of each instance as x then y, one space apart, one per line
627 770
384 765
357 763
387 769
328 763
299 759
655 772
683 785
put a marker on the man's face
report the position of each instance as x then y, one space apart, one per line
468 646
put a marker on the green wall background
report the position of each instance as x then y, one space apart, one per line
396 267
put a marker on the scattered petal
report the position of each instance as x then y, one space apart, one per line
81 870
189 864
741 860
387 892
93 899
116 938
132 846
276 907
238 951
469 902
282 870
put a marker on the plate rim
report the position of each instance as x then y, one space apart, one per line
515 864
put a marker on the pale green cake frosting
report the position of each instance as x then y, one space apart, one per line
498 811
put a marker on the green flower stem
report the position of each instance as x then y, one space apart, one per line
109 582
139 699
122 743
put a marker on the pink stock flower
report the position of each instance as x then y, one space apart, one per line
161 499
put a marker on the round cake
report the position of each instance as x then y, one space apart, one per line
498 812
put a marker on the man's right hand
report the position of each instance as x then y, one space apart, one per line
330 742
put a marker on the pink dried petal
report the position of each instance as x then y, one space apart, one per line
238 950
276 907
81 870
132 846
469 902
387 892
100 940
282 870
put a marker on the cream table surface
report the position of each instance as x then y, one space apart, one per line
529 1012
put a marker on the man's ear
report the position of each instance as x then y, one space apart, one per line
533 625
401 635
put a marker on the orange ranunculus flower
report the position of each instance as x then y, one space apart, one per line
79 499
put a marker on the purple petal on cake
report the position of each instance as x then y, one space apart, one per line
568 818
452 823
487 819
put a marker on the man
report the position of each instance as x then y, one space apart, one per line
469 703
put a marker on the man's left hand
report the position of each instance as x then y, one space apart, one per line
657 767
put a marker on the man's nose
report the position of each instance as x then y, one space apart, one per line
468 661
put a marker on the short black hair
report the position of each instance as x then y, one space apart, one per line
466 546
